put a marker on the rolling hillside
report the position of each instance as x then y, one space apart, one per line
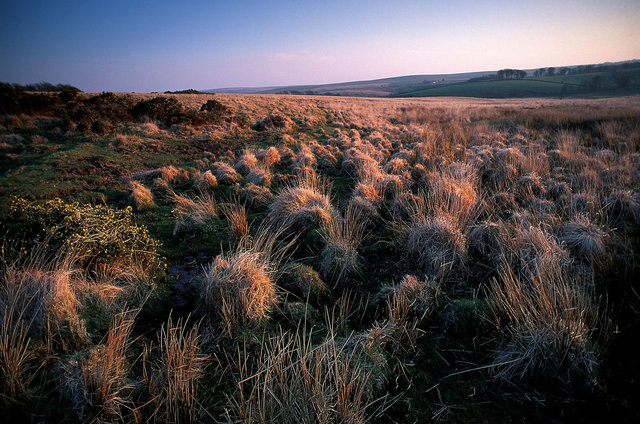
595 84
599 81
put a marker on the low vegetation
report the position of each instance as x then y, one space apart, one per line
186 257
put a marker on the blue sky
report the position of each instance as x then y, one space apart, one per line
156 45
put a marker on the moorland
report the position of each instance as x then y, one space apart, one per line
273 258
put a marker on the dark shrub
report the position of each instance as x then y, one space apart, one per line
214 106
270 122
101 113
165 109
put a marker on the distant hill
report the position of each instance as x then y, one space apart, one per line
596 84
384 87
606 79
240 90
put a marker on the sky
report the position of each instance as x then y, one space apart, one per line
160 45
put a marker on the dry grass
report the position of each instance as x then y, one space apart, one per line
268 157
342 236
207 181
550 319
260 176
302 206
225 173
194 213
410 303
304 282
294 381
97 385
584 239
246 163
141 196
436 247
173 379
39 295
171 174
256 196
239 287
236 216
453 192
15 353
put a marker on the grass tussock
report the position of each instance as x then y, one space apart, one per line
293 381
436 247
342 236
550 319
194 213
141 196
97 384
302 206
239 287
173 378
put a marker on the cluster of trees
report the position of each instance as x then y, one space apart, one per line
584 69
47 87
188 91
503 74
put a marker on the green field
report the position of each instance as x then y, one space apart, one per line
597 84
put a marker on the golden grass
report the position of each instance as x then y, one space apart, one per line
239 287
141 196
173 378
302 206
342 236
550 318
194 213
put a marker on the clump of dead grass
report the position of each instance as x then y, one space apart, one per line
436 246
173 379
342 236
239 287
141 196
584 239
549 319
97 384
302 206
256 196
225 173
268 157
194 213
207 181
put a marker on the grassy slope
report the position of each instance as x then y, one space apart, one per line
381 87
571 85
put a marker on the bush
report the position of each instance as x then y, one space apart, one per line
96 235
214 107
102 113
165 109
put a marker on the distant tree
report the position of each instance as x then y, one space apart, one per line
539 72
551 71
503 74
563 71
